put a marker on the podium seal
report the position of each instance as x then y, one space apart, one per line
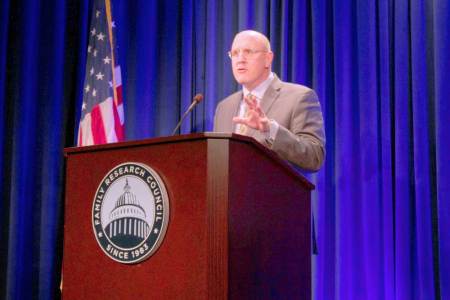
130 213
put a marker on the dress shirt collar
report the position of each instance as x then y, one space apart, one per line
259 91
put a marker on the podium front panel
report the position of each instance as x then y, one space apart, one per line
178 267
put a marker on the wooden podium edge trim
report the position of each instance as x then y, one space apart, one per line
217 196
192 137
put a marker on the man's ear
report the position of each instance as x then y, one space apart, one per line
269 59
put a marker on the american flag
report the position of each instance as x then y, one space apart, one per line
102 118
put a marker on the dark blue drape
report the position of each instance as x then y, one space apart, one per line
40 53
381 205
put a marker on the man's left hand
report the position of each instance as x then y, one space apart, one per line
255 117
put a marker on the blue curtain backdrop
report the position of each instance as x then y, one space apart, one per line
380 68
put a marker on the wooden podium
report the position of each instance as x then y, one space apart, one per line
239 224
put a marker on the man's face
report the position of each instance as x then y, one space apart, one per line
250 68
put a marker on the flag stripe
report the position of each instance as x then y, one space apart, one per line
119 95
108 111
86 132
98 130
117 124
80 136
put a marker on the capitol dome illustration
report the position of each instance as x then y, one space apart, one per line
128 226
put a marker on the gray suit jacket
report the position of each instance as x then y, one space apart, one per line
300 138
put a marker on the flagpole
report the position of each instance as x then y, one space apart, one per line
111 43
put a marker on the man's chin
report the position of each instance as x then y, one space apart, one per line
241 80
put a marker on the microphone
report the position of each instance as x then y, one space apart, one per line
197 99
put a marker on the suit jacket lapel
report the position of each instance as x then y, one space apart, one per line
271 94
234 110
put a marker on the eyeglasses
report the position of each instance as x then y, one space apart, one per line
246 53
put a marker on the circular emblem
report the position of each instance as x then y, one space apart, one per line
130 212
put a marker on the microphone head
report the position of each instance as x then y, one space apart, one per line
198 98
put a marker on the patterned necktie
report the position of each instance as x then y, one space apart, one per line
241 128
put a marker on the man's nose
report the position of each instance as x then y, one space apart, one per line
241 56
241 59
240 63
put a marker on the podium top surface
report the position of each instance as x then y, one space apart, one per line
192 137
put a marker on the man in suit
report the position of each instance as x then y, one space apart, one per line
285 117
